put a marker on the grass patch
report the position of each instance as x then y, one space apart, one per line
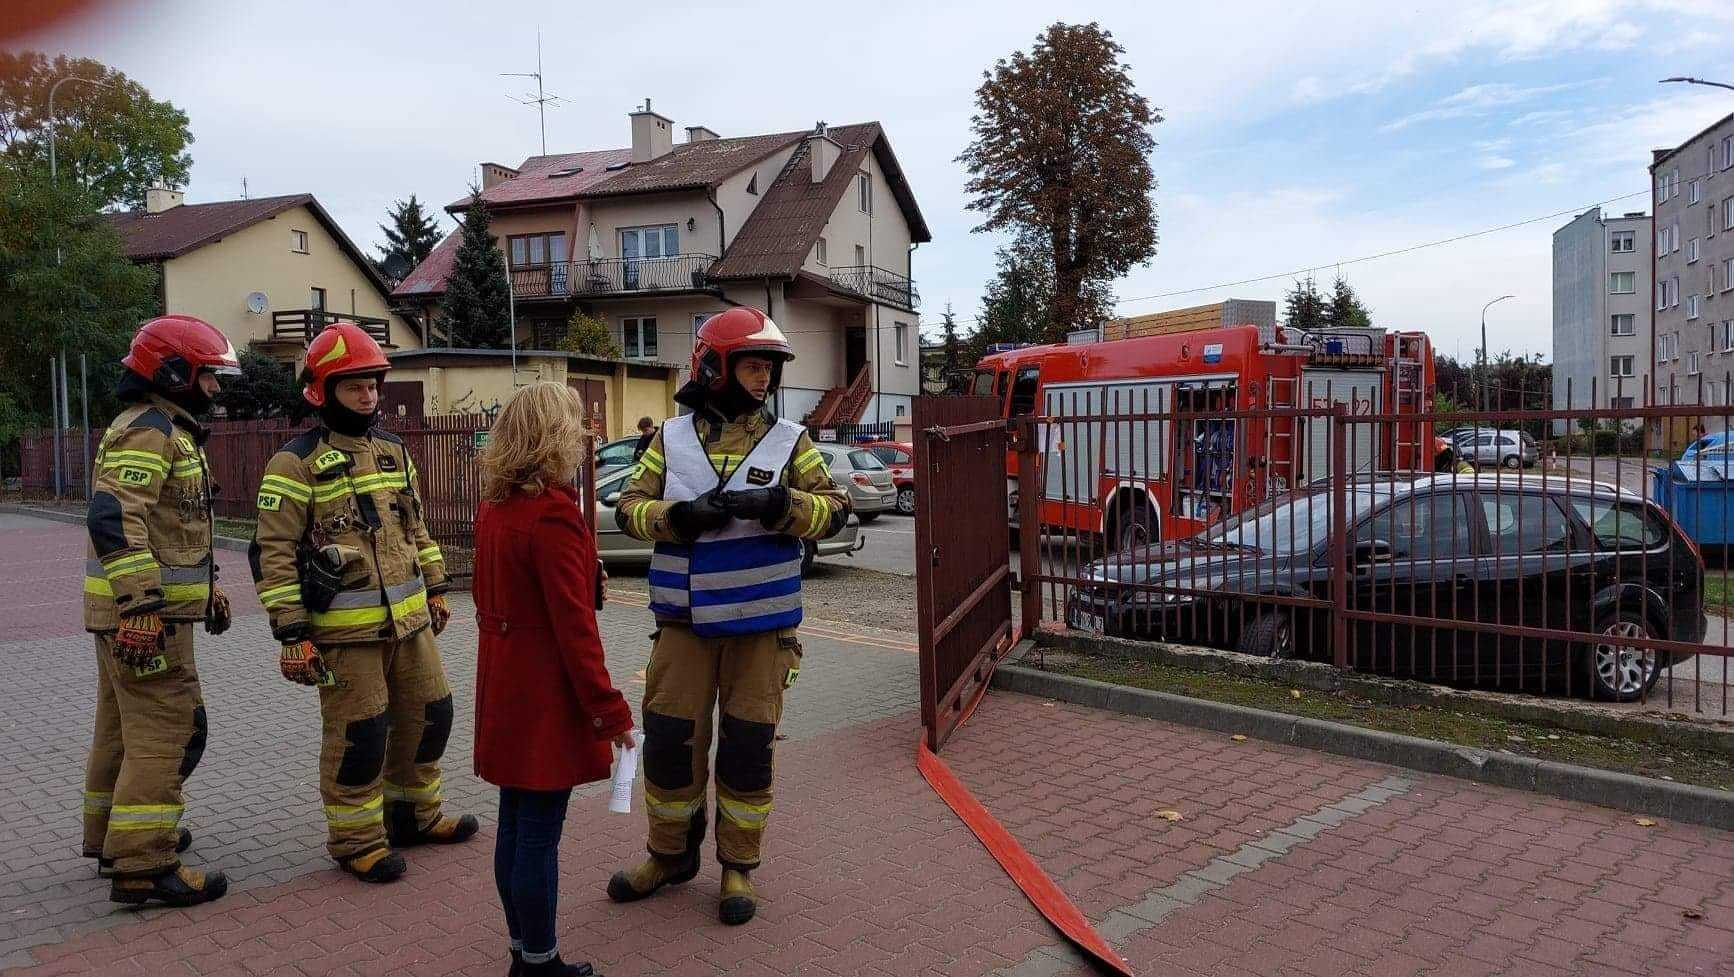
1679 763
236 528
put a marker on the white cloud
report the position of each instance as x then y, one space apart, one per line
1476 100
1495 162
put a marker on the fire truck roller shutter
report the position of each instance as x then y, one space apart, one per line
1359 390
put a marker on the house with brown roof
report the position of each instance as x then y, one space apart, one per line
816 228
270 272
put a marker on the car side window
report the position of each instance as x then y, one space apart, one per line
1521 523
1023 396
887 455
1484 440
615 454
1422 527
1620 526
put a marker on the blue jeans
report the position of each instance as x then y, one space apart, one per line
527 866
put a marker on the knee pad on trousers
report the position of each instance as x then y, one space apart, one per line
195 750
667 750
743 754
364 756
439 729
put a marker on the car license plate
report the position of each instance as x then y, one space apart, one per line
1093 623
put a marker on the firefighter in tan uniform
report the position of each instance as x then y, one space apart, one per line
728 493
352 581
149 577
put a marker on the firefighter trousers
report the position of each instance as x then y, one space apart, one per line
150 734
385 719
742 678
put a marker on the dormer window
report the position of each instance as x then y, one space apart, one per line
568 171
753 185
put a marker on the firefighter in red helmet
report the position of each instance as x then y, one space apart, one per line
353 584
730 495
149 577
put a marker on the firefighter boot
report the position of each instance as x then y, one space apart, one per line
738 902
633 884
180 886
378 866
105 866
401 831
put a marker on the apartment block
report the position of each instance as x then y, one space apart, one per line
1692 357
1601 314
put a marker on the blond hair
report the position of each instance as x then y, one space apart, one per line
538 440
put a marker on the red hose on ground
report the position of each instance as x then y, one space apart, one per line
1041 890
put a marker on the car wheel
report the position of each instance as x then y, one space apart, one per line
1512 461
1134 528
1619 672
867 517
1270 636
809 553
906 500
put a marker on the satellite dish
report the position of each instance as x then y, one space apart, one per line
256 303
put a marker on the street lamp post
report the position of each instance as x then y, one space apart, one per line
1484 383
1697 81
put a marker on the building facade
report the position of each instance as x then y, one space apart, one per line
270 272
1601 313
818 229
1692 187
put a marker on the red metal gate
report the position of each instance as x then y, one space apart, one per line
962 555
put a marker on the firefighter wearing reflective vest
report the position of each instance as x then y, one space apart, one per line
352 581
148 578
728 493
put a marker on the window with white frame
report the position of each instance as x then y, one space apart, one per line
1728 274
1728 214
1620 366
298 242
1661 240
1620 403
864 191
901 330
1695 191
1674 183
1621 242
860 256
1674 345
638 336
1727 152
1692 363
1674 292
1728 336
1662 188
1625 325
820 253
1624 283
1691 251
1691 306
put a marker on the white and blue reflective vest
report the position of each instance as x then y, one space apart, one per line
742 578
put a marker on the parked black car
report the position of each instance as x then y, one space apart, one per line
1516 551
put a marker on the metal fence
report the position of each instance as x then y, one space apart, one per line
1544 568
854 433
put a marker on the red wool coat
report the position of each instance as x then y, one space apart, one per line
546 710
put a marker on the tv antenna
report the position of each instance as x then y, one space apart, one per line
542 99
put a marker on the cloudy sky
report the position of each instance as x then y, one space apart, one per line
1296 135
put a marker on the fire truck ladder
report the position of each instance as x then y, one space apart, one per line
1281 393
1409 453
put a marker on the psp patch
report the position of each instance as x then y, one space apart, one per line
759 476
135 476
270 502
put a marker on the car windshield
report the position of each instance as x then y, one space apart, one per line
1287 524
865 460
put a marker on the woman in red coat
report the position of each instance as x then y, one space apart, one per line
546 711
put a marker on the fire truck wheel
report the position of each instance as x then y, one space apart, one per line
1270 636
1133 527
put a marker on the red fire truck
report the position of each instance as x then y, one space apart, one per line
1139 479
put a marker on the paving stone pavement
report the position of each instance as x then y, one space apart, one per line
1281 862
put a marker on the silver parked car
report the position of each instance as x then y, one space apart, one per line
615 455
618 549
1508 449
859 472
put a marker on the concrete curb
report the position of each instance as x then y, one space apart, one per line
1677 802
77 518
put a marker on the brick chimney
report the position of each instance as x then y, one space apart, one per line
493 174
700 134
652 134
161 198
823 151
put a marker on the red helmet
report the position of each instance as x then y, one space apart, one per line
344 348
170 350
729 334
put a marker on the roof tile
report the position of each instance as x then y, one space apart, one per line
174 232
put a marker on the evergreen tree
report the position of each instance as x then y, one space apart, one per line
589 336
476 307
1017 306
1345 311
410 237
1305 308
265 389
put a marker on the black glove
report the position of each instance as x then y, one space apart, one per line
218 620
701 515
768 505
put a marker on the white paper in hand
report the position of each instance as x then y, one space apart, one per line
625 772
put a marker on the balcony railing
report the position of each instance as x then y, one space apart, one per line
878 283
301 325
610 276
